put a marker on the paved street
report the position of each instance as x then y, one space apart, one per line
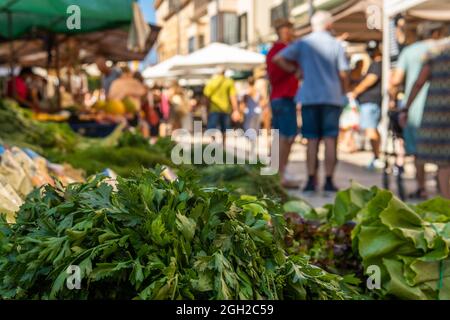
350 167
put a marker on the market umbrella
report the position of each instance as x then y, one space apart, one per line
112 44
38 27
221 55
20 18
139 31
423 9
163 70
432 10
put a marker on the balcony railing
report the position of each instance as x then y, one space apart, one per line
200 8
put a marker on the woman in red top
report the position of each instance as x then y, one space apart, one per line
21 92
284 87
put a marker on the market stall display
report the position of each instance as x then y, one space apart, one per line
82 187
155 240
22 170
336 243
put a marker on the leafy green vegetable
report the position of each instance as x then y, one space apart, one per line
123 160
153 239
18 128
409 243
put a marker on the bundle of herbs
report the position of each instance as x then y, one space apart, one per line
147 238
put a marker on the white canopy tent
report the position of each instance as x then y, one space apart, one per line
162 70
423 9
220 55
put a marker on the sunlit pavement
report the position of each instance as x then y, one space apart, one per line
351 167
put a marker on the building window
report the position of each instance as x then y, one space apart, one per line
230 27
174 6
214 29
191 44
201 41
225 28
243 28
279 12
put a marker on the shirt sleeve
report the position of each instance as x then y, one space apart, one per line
291 52
375 68
343 64
401 63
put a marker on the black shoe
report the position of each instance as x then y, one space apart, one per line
420 194
310 186
330 187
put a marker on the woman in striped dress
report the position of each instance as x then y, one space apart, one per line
433 145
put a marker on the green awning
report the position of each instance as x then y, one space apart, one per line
51 15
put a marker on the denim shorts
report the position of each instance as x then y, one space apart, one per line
219 120
410 133
320 121
370 115
284 117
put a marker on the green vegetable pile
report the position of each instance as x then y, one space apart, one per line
153 239
18 128
130 154
125 153
409 243
243 179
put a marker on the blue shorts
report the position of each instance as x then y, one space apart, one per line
320 121
370 116
284 117
219 120
410 136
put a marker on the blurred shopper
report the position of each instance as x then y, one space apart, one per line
180 108
153 113
368 93
284 87
356 74
109 74
223 102
128 89
349 122
22 90
408 68
433 138
144 124
325 68
253 104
